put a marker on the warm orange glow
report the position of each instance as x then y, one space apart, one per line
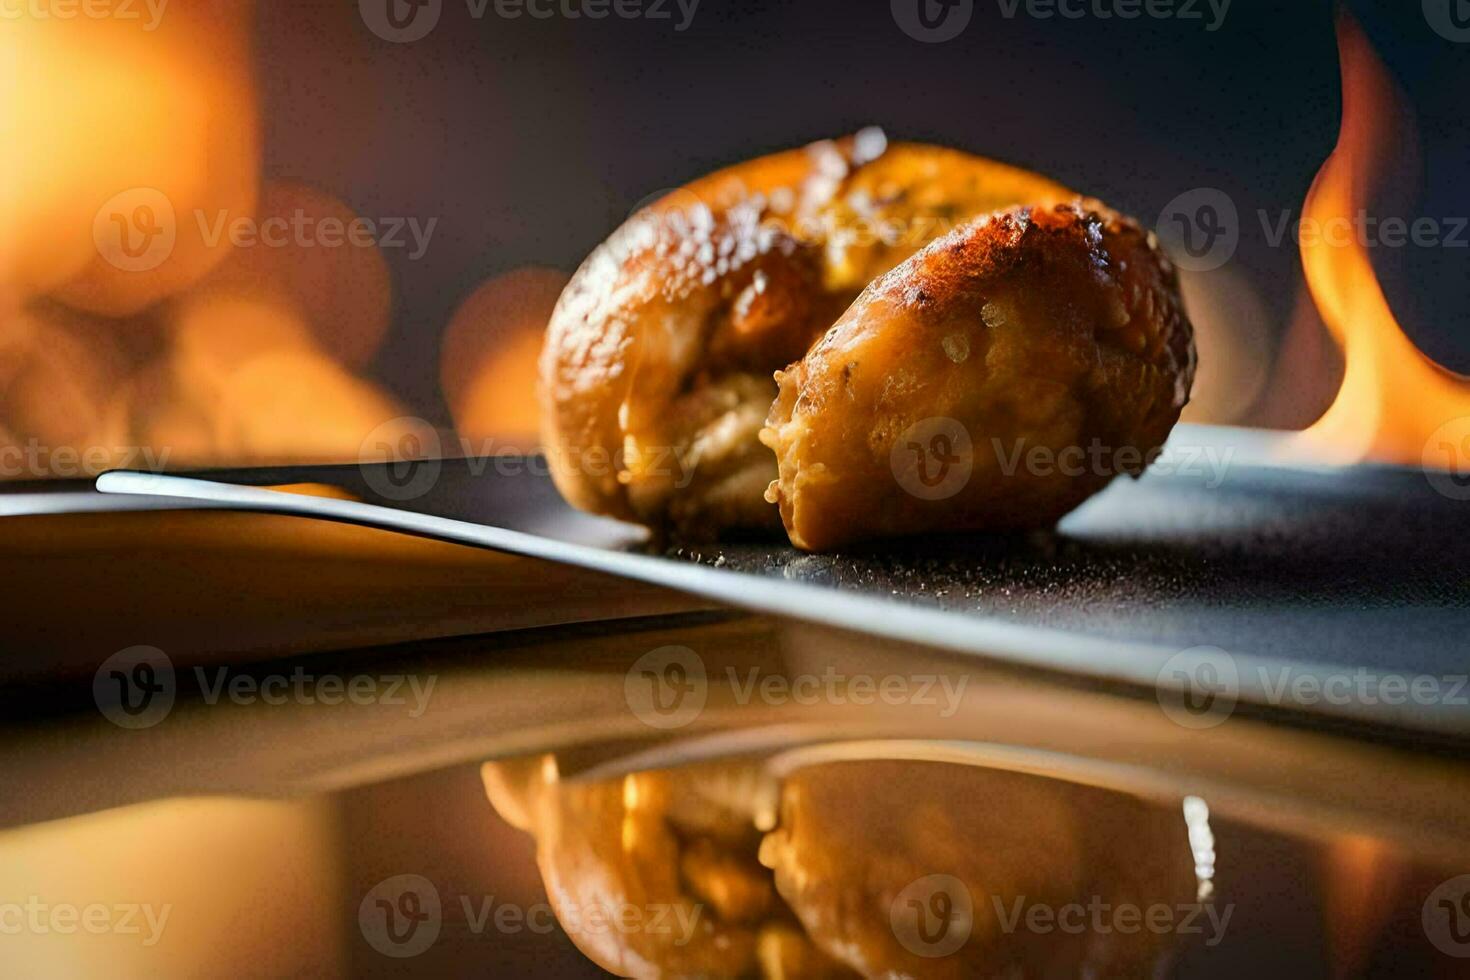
100 115
1393 398
203 884
488 357
1360 878
245 381
500 402
340 289
56 369
228 330
301 406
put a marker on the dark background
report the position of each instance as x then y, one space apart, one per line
531 139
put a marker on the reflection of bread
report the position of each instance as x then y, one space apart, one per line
656 374
673 851
853 841
1056 330
863 845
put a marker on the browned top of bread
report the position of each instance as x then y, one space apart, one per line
1056 328
735 273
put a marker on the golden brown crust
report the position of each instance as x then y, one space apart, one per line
656 370
875 856
655 874
993 381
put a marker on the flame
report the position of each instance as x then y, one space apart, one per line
96 112
342 294
489 352
218 353
1393 399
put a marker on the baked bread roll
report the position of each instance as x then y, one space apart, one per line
993 381
656 376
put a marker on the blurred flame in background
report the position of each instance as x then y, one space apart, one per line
489 352
1392 398
93 107
218 354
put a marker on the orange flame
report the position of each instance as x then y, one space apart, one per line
218 353
1393 399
